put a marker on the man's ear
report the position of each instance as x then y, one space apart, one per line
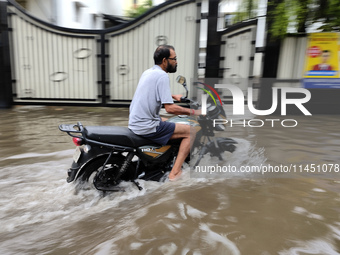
164 64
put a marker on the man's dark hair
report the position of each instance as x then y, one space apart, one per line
161 52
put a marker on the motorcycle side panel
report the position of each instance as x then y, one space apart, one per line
154 154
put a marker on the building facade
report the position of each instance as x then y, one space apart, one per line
80 14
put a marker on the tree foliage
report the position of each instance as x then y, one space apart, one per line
139 10
247 10
299 15
295 16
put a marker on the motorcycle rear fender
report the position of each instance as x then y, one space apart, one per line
86 158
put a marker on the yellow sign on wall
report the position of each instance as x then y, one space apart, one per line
322 56
322 61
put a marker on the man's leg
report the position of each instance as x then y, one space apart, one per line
188 136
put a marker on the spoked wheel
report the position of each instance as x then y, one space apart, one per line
108 179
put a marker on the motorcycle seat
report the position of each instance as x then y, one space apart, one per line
116 135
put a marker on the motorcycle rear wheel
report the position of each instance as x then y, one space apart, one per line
93 177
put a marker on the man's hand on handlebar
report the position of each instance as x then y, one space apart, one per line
177 97
193 105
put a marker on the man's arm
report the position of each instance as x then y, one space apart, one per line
179 110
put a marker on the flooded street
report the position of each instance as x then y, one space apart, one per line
296 212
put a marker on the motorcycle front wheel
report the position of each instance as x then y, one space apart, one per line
107 179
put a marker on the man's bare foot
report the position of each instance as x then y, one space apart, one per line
175 177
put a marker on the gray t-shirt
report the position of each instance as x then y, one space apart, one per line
152 91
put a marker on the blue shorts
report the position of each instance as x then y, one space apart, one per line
163 133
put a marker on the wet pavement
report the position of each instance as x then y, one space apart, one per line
221 213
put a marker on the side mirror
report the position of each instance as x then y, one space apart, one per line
181 80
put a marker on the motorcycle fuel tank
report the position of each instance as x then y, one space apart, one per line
186 120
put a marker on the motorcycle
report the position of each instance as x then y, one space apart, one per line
107 155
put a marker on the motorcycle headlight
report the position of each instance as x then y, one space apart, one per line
213 111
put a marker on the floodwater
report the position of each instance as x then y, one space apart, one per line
215 213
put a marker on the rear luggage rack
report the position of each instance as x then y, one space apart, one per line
71 128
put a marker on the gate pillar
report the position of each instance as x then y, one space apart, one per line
6 99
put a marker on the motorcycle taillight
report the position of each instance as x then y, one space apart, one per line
77 141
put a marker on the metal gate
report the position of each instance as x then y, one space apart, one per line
51 64
237 56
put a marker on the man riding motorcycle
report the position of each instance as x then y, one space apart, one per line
107 155
152 92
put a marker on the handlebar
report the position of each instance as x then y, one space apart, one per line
193 104
185 100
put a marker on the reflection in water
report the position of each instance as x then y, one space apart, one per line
239 213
